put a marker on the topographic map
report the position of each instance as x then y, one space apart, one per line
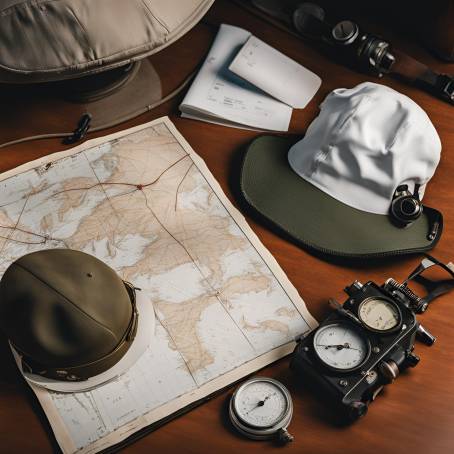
145 203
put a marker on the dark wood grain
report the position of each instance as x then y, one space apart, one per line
415 414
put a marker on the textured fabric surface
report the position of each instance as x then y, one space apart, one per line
367 141
43 40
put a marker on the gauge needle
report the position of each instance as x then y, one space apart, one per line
261 403
338 346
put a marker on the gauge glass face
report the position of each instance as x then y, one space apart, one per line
341 346
379 314
261 404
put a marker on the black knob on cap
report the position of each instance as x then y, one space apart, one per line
357 409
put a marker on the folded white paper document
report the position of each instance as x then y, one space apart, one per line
219 96
275 73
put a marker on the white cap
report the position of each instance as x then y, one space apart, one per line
367 141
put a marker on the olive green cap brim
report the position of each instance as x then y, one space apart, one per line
318 221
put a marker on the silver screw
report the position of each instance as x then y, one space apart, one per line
343 383
358 285
376 350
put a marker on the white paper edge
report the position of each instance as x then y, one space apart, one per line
235 66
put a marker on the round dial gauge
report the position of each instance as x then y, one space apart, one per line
341 346
262 408
379 314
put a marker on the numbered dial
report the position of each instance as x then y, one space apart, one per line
379 314
262 408
341 346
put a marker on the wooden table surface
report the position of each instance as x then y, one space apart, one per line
415 414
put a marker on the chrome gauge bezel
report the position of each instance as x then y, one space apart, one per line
388 301
259 432
351 326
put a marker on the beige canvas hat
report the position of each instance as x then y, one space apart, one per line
46 40
79 60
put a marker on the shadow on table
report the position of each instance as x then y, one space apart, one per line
11 378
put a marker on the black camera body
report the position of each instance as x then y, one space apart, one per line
360 347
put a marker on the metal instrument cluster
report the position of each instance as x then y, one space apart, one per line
363 345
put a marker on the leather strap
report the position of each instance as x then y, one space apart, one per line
405 67
417 73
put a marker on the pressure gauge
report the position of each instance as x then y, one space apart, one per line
379 314
341 346
261 409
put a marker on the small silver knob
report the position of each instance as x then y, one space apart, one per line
389 370
357 285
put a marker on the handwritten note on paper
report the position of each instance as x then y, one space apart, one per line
219 96
275 73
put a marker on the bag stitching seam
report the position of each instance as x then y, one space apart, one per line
154 16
